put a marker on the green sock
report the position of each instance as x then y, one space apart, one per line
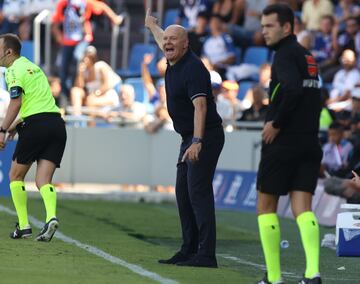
270 240
310 236
48 194
19 198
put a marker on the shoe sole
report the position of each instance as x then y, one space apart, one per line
48 235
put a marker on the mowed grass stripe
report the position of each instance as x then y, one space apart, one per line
98 252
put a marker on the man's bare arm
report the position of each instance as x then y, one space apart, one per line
151 24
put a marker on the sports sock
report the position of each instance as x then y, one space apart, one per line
19 197
310 236
48 195
269 229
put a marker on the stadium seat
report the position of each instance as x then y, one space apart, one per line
237 55
244 86
136 57
141 94
256 55
170 17
27 50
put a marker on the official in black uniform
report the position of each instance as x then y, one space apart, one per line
291 153
193 111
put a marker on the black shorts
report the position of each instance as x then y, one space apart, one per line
286 168
41 136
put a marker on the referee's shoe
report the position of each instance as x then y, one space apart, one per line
265 281
314 280
21 234
48 231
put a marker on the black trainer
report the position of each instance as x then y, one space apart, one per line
265 281
314 280
179 256
48 231
200 261
21 234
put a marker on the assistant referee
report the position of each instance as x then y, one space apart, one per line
291 153
192 109
42 135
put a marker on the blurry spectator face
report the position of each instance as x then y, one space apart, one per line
89 60
335 136
201 24
348 59
175 43
352 27
55 86
216 26
230 89
161 66
326 25
265 74
127 95
272 31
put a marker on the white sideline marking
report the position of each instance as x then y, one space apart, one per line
285 273
94 250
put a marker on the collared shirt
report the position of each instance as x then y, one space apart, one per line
186 80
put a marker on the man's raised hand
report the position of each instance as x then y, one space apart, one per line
150 21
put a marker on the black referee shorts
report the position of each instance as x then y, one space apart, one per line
286 168
41 136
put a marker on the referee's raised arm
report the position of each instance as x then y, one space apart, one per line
152 24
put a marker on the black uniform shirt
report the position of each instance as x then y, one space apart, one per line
294 93
186 80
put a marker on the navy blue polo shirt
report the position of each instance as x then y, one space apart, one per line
186 80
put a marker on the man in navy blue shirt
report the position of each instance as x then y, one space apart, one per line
193 111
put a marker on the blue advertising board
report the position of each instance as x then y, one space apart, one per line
5 164
235 190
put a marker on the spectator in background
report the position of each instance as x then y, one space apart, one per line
258 109
96 84
344 10
228 105
198 34
189 9
55 86
157 94
347 117
303 36
219 47
249 32
322 45
74 16
327 116
231 11
344 81
337 151
130 111
313 10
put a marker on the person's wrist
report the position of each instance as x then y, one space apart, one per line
196 140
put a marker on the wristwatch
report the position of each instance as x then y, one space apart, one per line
2 130
196 140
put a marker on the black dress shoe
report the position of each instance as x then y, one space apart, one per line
199 261
178 257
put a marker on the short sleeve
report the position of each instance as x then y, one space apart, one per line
198 81
58 16
13 78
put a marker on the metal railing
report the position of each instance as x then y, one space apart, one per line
42 17
125 31
159 13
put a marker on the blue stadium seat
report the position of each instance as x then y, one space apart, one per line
170 16
238 55
256 55
136 57
141 94
244 86
27 50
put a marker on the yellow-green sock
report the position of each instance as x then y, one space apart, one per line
48 195
310 237
270 240
19 197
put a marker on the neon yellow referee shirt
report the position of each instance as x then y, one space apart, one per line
36 97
